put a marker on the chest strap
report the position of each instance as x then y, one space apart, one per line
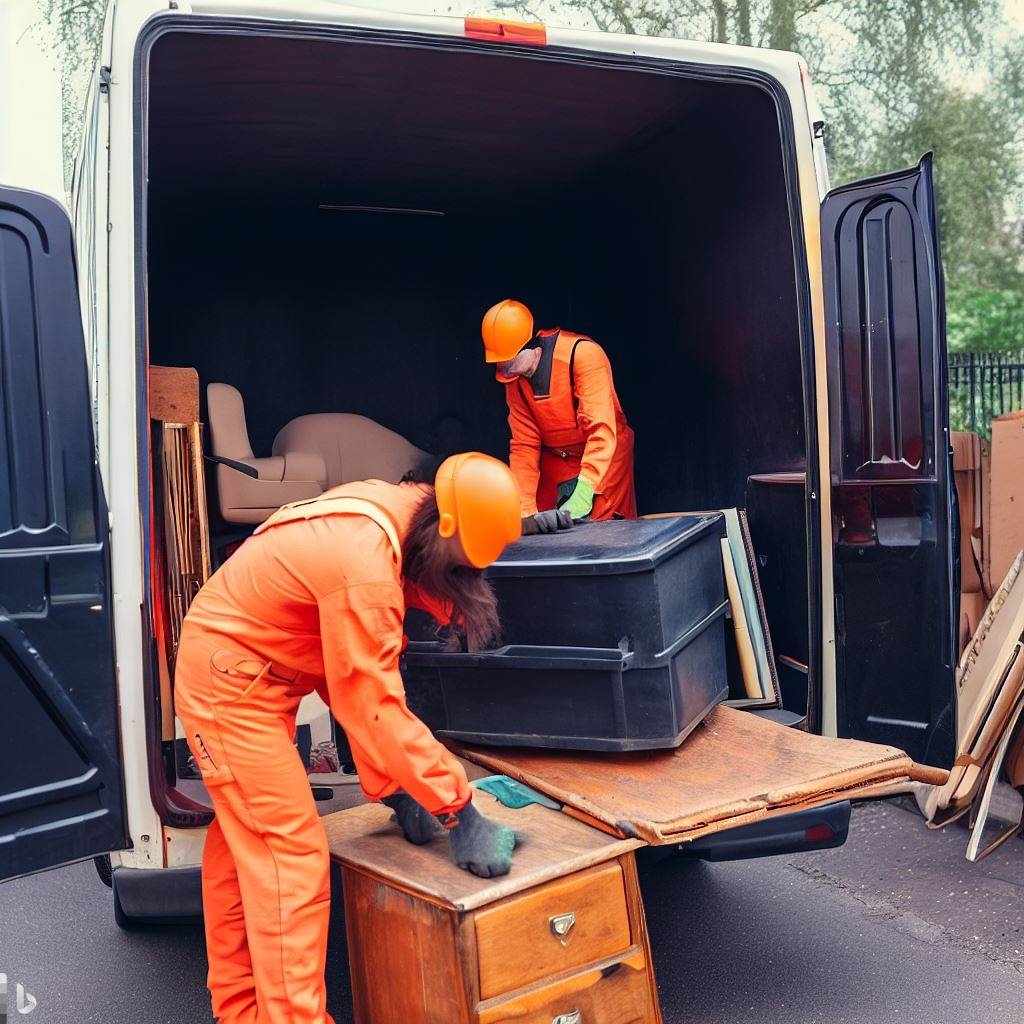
314 508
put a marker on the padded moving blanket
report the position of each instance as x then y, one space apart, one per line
734 769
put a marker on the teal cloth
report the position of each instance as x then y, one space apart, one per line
513 794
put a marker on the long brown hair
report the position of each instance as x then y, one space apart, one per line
427 561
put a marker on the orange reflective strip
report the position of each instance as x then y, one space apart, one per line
495 30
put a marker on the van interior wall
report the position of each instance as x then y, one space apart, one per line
673 249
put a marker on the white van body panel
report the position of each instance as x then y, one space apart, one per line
115 313
121 455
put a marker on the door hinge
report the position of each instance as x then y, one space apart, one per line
104 79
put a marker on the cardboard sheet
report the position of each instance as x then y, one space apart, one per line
734 769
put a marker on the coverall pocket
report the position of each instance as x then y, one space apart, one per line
235 676
211 764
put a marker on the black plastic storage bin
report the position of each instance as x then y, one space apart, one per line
615 641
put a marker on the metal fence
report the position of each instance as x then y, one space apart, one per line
983 385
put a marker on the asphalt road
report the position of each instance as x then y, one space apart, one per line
895 926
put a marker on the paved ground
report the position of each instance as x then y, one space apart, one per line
895 926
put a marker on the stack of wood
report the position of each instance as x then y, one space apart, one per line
180 555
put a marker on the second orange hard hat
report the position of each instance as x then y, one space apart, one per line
478 501
507 327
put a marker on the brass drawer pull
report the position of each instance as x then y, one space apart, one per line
572 1017
561 925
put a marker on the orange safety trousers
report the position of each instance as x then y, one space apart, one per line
266 879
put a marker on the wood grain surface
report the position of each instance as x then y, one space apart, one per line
733 769
516 943
551 844
614 992
174 394
406 965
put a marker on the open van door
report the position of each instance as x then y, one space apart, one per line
893 526
60 778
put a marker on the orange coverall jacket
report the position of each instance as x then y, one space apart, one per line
577 429
320 594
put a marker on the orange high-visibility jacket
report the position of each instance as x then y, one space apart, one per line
318 590
576 428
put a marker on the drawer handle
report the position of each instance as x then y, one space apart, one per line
572 1017
561 925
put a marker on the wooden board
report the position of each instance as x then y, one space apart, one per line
734 769
550 845
174 394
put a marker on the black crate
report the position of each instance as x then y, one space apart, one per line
615 641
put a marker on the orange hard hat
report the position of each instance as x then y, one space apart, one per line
507 327
478 500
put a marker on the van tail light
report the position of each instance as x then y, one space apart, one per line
819 834
497 30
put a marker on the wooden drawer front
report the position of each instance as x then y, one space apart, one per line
618 993
518 940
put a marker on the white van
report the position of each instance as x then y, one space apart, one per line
314 204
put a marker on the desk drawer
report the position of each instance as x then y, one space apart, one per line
553 928
617 993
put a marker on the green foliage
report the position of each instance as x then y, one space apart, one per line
71 29
896 79
985 319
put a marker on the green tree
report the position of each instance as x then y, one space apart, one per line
72 30
890 76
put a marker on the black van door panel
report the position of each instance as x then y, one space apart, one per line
60 778
894 532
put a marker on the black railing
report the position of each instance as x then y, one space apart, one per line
983 385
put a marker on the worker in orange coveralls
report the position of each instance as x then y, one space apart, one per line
314 601
571 446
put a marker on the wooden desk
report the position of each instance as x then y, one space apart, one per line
560 940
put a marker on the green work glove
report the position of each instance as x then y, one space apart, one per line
478 845
418 824
581 501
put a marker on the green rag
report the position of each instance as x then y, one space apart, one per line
513 794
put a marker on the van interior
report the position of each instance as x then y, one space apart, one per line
327 219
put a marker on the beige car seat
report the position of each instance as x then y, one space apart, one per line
249 489
310 454
351 447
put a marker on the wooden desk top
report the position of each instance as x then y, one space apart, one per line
551 844
733 769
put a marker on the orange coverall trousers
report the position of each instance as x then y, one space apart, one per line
313 601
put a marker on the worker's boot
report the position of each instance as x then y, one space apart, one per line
479 845
418 824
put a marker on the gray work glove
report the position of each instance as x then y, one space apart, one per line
478 845
418 825
551 521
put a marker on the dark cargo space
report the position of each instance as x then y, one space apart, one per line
648 210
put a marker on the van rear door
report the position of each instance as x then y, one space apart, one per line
61 793
894 528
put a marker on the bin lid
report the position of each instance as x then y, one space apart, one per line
607 548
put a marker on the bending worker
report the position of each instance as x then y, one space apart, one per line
571 447
315 600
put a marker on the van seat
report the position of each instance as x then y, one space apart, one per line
351 447
310 454
242 497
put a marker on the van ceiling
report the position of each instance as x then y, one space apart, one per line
348 122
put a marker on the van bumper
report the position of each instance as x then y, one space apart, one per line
159 895
819 828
